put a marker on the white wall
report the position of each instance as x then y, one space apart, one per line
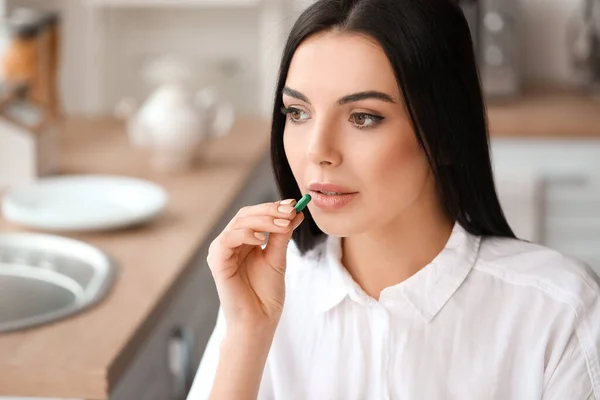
207 38
231 35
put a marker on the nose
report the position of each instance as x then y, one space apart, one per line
323 149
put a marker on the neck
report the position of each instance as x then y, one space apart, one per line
393 253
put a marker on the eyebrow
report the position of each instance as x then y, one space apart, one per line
351 98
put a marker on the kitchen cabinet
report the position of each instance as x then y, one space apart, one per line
567 175
168 359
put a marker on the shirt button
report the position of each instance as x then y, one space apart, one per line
381 319
381 312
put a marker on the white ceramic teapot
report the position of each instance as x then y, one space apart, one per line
173 123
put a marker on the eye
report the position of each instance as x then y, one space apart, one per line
295 114
365 120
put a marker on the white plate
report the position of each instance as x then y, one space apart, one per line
84 203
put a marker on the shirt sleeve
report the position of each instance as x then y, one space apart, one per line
572 378
577 374
205 375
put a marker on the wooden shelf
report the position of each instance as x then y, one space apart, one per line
172 3
547 113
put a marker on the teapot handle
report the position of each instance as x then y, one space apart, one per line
220 114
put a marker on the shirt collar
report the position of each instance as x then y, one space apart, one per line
427 291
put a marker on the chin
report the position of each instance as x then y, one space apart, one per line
338 225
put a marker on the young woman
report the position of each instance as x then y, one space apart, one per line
402 279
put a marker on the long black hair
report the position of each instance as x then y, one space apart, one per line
430 48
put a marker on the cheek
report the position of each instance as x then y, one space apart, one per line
399 166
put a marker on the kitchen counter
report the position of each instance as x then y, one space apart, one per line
546 113
84 356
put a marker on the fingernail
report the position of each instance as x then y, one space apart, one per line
260 236
282 222
288 201
285 209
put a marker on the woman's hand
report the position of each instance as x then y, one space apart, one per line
250 279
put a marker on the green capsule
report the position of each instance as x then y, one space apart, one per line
303 202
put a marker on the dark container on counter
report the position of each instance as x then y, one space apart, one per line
29 56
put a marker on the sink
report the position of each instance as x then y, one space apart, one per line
44 278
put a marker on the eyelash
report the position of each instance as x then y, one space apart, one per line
287 111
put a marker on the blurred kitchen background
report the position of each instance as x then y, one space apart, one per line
131 130
236 43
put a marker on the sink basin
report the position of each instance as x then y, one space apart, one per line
44 278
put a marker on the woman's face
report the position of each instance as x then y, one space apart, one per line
347 131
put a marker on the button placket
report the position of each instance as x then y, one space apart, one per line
382 330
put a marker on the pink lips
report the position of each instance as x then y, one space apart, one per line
328 202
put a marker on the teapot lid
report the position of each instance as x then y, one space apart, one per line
167 69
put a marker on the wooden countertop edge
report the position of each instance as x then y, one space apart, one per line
125 356
81 383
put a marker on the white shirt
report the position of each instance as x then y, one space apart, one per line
488 318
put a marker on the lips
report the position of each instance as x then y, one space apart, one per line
329 188
331 197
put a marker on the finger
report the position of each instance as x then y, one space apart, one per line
228 241
297 221
275 252
261 223
274 209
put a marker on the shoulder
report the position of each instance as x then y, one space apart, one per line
564 283
560 277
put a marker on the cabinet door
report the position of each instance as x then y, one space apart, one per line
166 362
566 178
572 222
521 197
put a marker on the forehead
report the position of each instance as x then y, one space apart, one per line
338 64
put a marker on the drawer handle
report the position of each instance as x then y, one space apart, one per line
180 355
567 180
